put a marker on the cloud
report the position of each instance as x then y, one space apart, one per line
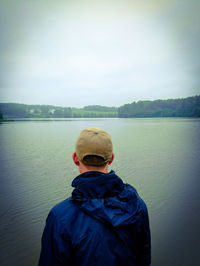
104 52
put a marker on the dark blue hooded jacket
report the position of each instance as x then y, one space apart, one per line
104 223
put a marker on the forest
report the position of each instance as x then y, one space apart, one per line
186 107
16 110
183 107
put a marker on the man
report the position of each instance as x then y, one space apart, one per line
104 222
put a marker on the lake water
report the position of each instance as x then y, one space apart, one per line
160 157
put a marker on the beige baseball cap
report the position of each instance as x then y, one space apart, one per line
94 141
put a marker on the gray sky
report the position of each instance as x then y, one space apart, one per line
77 53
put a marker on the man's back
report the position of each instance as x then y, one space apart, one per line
105 222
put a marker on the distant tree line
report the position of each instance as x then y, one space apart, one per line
15 110
186 107
100 108
1 115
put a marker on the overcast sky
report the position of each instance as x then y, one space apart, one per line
77 53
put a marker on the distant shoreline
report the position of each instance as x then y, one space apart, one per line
183 107
7 120
88 118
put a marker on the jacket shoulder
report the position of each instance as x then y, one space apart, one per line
134 194
60 208
63 212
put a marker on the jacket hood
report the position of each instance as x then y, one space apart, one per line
106 198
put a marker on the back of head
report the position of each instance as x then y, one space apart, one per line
94 147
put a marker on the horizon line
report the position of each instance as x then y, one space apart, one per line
177 98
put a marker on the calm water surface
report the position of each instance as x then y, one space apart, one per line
160 157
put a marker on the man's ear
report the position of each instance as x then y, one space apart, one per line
75 159
112 158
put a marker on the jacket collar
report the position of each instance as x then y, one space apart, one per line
95 184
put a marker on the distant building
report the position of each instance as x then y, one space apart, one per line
51 111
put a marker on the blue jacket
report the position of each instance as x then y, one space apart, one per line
103 223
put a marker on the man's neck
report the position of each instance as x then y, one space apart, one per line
88 168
